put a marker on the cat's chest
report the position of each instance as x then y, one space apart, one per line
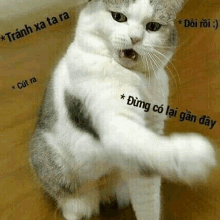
146 93
154 88
102 80
154 100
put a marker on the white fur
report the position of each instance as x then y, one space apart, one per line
91 71
77 208
145 197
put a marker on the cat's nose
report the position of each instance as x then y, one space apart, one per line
134 40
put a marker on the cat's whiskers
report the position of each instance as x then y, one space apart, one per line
159 46
152 67
155 72
146 62
183 44
148 69
169 70
177 74
146 66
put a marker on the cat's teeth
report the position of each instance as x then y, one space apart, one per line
133 57
128 53
122 54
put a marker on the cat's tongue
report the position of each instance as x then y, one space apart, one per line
128 53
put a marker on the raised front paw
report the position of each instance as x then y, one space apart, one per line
191 159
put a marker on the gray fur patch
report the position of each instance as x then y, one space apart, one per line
167 9
172 39
51 169
146 171
118 3
47 115
78 115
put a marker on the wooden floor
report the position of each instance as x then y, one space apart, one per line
195 86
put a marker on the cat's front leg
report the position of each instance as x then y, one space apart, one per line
145 197
188 158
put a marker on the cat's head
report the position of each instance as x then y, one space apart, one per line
138 34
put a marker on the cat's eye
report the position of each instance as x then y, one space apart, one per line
119 17
153 26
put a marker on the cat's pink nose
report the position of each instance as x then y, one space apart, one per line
134 40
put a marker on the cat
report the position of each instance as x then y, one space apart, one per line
89 145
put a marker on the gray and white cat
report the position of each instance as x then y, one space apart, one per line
86 132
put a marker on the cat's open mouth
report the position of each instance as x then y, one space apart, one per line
128 53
